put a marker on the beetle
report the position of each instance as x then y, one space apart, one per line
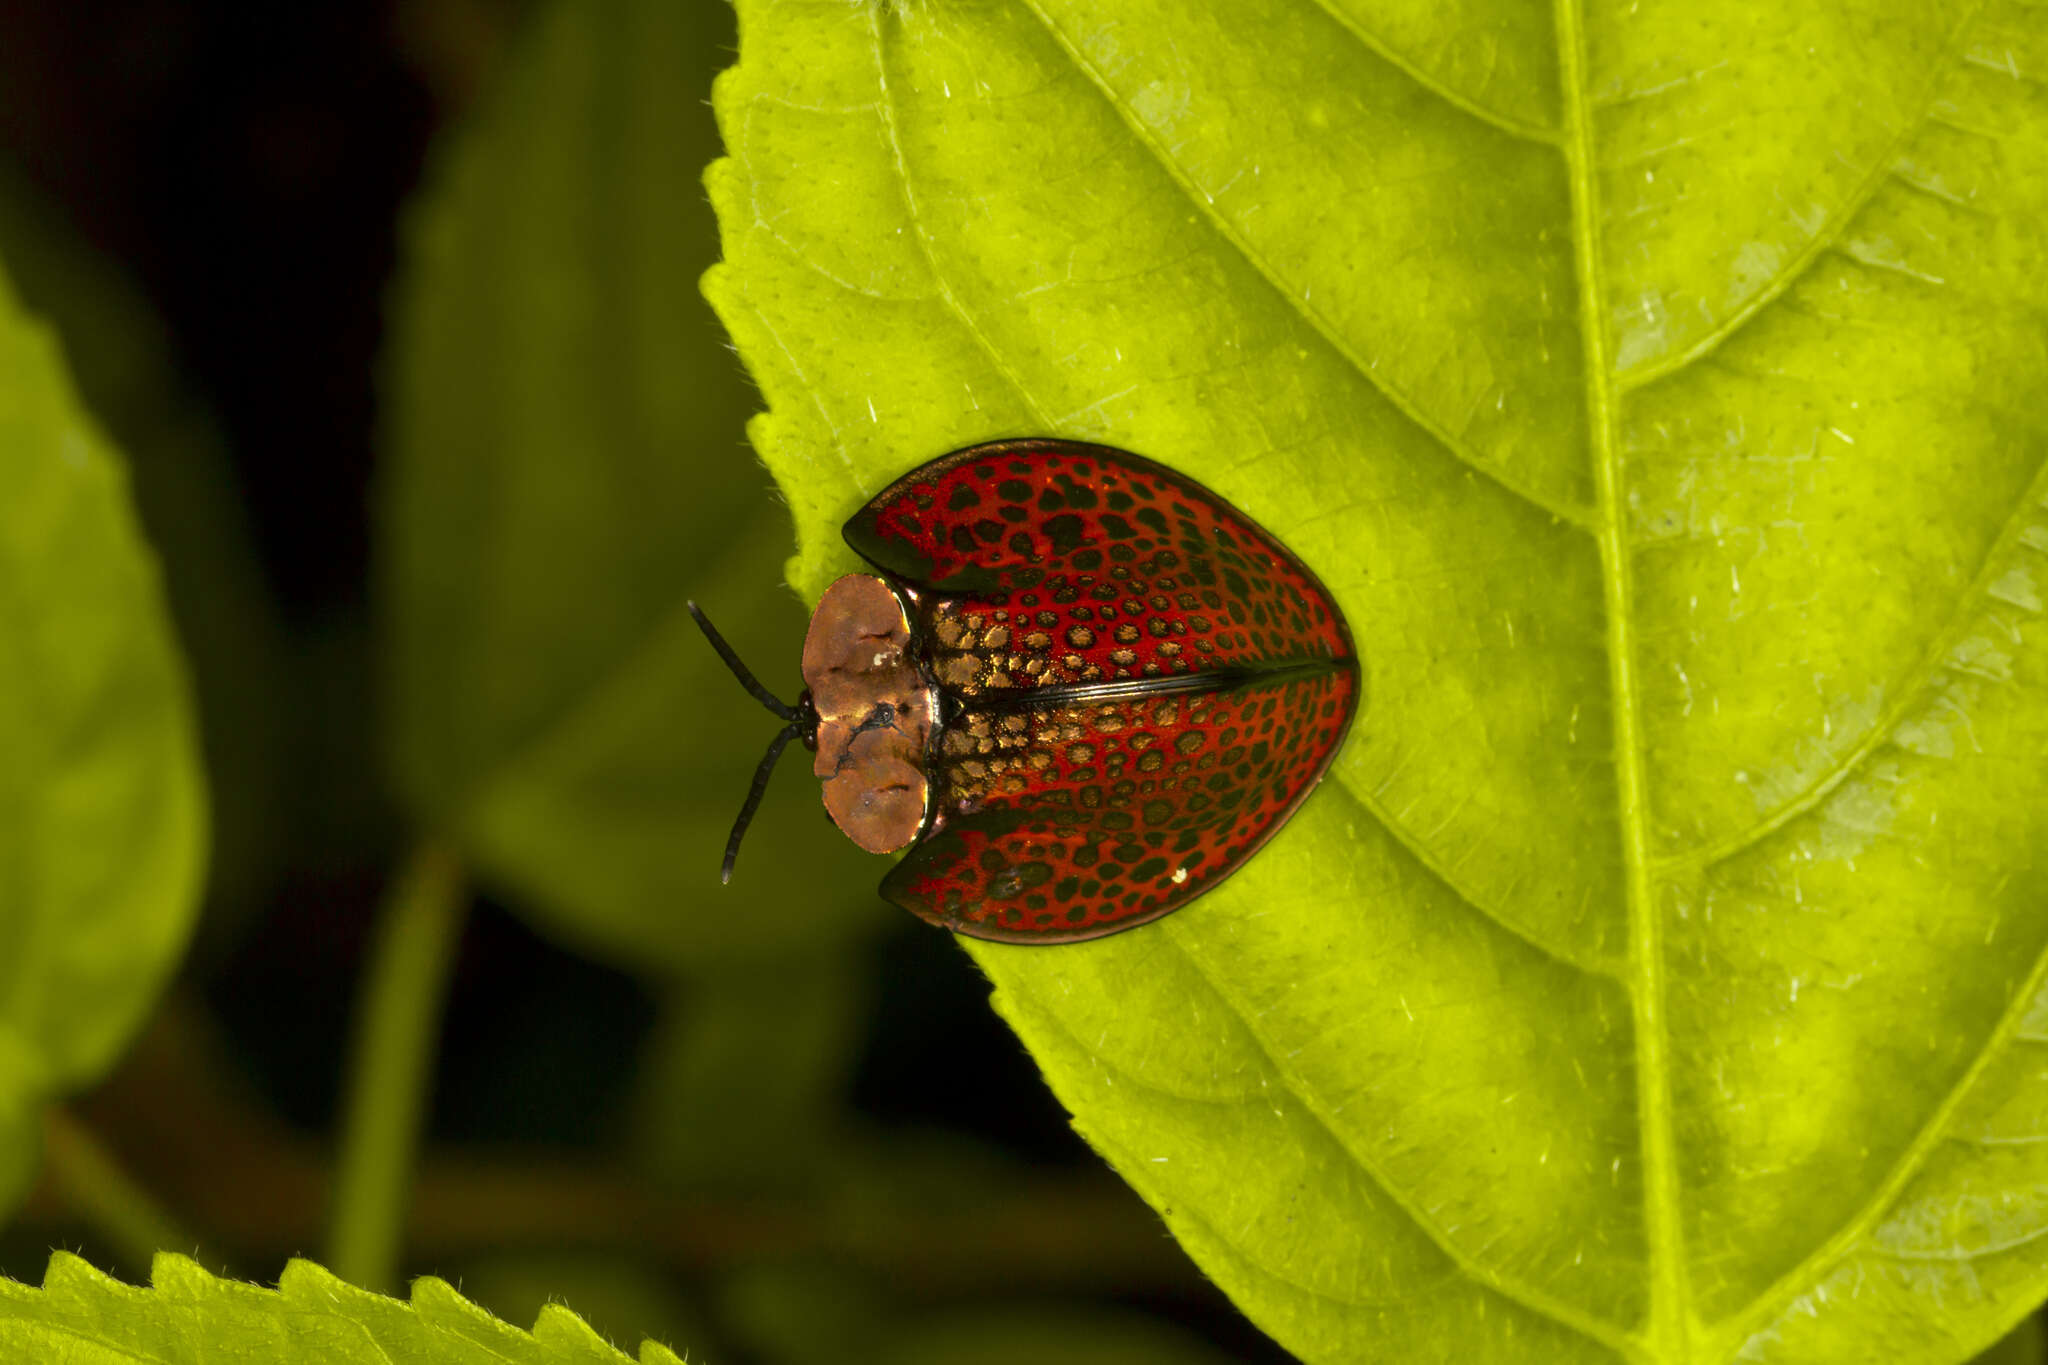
1080 689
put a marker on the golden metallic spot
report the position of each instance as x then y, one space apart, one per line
1072 662
958 670
1151 763
1150 670
1142 740
1091 673
1206 645
1126 634
1012 723
1170 648
1122 658
1048 619
1012 783
997 637
1159 603
1034 666
998 678
951 634
1039 759
1080 637
974 769
1109 720
985 745
975 621
1159 626
1038 640
1133 607
1080 753
1167 712
1001 615
1200 623
957 742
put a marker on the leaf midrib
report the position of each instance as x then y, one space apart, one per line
1669 1326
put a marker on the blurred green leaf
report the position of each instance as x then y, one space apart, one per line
102 811
1011 1336
2026 1344
1660 976
742 1083
83 1318
814 1315
121 359
565 470
796 1314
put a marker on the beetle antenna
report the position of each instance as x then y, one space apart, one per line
753 686
754 794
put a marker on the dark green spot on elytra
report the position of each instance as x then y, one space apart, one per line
1066 532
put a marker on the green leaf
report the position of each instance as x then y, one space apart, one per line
563 475
621 1296
102 818
120 357
1660 975
83 1318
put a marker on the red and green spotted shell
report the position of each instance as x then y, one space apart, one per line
1081 690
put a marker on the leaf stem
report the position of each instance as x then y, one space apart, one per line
397 1026
1669 1326
95 1186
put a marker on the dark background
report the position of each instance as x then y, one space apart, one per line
244 167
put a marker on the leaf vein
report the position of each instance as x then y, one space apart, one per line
1513 127
1738 1327
1670 1314
1598 1329
1414 847
1829 234
887 105
1320 326
1912 691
